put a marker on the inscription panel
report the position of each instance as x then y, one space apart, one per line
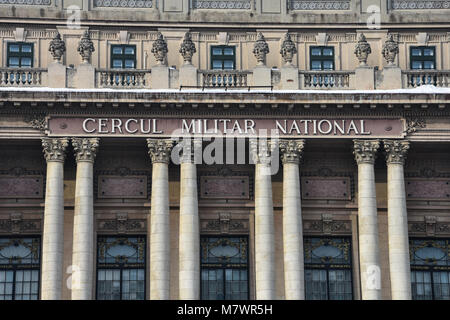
427 189
22 187
132 187
326 188
219 187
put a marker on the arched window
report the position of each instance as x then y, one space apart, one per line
430 269
121 268
19 268
328 269
224 268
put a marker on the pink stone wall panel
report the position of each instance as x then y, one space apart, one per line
428 189
22 187
216 187
122 187
326 188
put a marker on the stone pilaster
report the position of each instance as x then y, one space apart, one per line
399 264
53 235
291 152
160 151
369 253
83 226
189 238
264 221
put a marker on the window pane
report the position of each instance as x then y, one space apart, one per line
328 65
13 62
228 51
228 64
217 64
428 52
117 50
316 65
26 48
117 63
328 52
129 50
428 65
316 52
416 52
14 48
417 65
26 62
129 63
217 51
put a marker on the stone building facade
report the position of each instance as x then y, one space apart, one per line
239 149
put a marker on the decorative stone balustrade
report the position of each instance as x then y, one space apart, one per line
122 78
22 77
326 79
222 4
225 78
416 78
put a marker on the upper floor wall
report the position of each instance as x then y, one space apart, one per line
342 42
288 12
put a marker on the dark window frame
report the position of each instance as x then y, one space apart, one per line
425 268
327 267
16 267
123 56
204 266
422 58
222 57
120 267
20 54
321 58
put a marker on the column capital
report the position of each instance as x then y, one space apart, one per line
160 150
365 150
396 151
85 148
55 148
190 147
261 150
291 150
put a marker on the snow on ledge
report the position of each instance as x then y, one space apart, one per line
425 89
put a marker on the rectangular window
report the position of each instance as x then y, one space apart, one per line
123 57
430 269
224 268
328 269
223 58
19 55
19 268
423 58
322 58
121 268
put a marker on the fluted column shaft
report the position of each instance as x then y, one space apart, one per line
189 241
159 151
399 263
53 235
294 279
83 225
369 252
264 223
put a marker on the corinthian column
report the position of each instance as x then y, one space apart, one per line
291 152
369 255
53 236
189 241
83 225
399 264
264 228
159 151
